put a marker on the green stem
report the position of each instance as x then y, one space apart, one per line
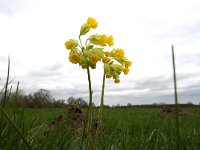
89 113
18 131
102 100
87 126
90 99
176 101
80 41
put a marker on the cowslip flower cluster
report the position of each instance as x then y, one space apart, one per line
95 50
115 62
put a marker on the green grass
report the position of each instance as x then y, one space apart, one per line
134 128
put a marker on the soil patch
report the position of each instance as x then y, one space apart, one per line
167 111
75 118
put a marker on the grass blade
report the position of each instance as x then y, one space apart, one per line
6 86
13 124
176 100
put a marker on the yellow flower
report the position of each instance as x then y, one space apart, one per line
105 60
74 58
107 53
117 80
103 40
119 53
110 40
128 64
126 71
71 44
94 59
108 75
92 23
84 66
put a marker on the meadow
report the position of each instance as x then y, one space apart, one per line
123 129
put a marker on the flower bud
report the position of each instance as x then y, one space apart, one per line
108 75
84 29
117 80
128 64
126 71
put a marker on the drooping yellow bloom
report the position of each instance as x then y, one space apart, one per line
105 60
74 58
119 53
117 80
103 40
92 23
106 53
126 71
84 66
94 59
110 40
108 75
128 64
69 45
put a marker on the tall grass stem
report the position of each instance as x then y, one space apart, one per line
176 100
6 86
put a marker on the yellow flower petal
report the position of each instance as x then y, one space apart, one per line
92 23
117 80
108 75
110 40
103 40
105 60
107 53
94 59
84 66
74 58
128 64
119 53
126 71
69 45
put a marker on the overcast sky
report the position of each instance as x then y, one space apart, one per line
33 33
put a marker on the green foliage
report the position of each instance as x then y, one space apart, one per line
39 99
136 128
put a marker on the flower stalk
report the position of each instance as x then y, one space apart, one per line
102 101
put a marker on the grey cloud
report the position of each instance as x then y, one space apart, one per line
46 72
185 59
187 76
186 33
63 83
147 91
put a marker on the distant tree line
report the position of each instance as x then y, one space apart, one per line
156 105
44 99
39 99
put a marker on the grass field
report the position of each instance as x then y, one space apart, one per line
133 128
